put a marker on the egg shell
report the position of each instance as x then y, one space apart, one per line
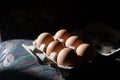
44 38
73 42
85 51
67 57
62 35
54 47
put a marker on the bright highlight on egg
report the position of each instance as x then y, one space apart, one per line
73 42
85 52
54 47
62 35
67 57
43 39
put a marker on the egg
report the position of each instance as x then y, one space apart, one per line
53 49
85 51
62 35
67 57
44 39
73 42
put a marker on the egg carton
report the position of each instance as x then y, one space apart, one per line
40 55
70 47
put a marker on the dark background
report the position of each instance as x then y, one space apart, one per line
28 19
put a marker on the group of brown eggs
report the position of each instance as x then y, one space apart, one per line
64 48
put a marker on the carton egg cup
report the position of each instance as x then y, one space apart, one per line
40 55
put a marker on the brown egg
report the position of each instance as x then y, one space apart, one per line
53 49
62 35
73 42
67 57
44 38
85 51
